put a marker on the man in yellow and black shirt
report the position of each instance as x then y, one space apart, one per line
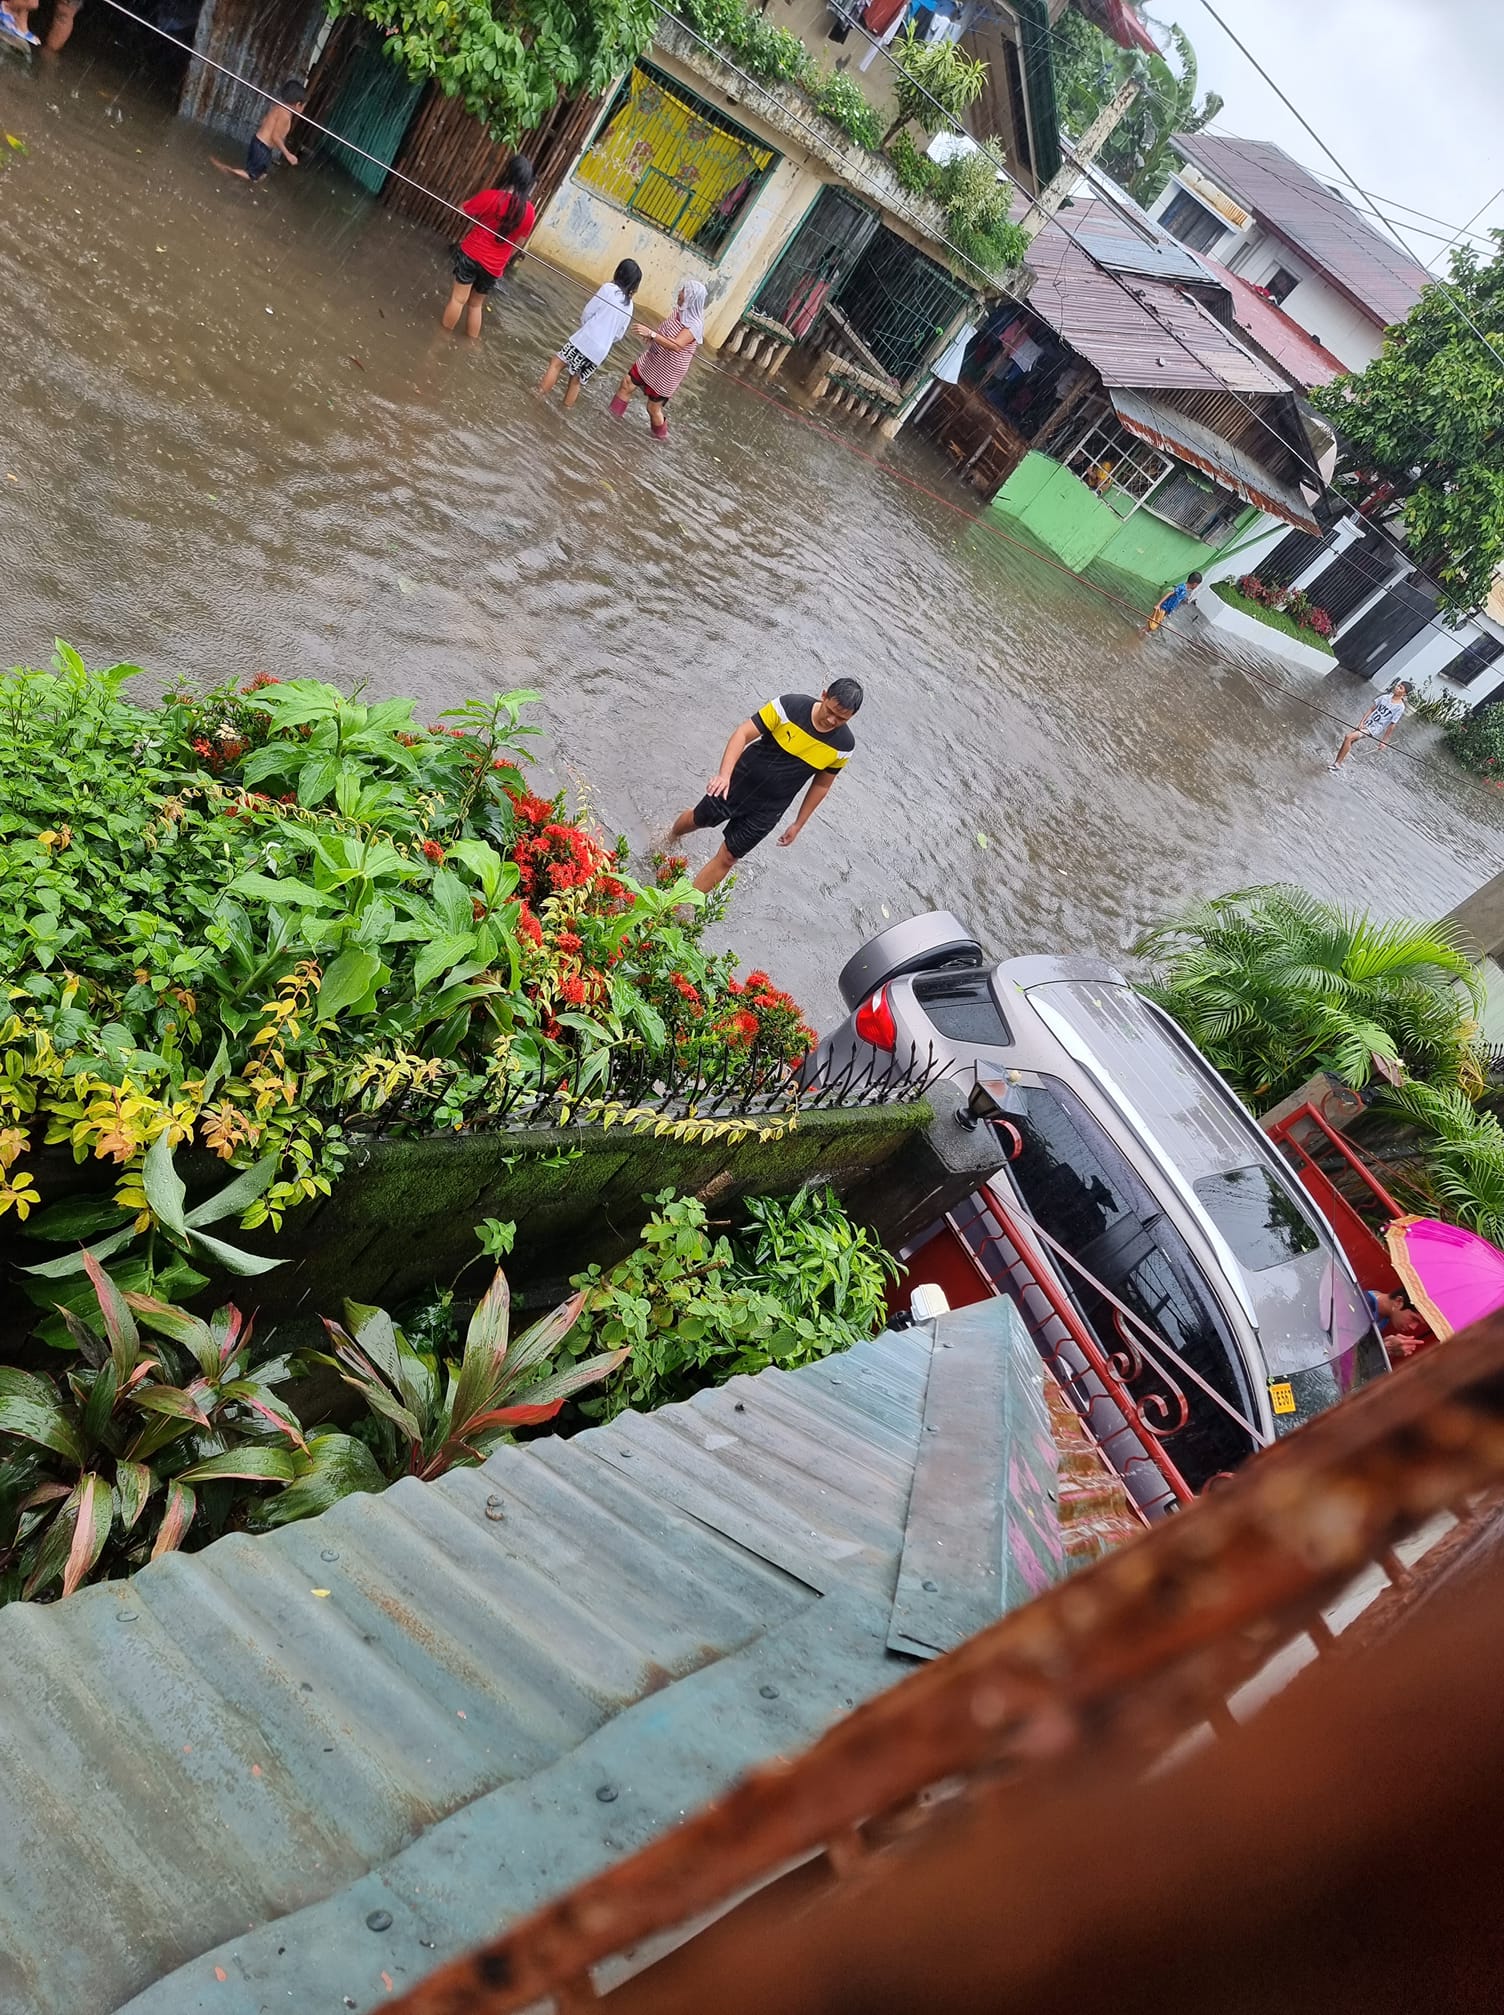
790 742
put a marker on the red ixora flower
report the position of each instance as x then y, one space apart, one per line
567 941
573 992
529 927
432 851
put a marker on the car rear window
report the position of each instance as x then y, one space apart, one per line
1261 1222
962 1007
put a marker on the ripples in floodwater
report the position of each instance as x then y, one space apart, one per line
242 442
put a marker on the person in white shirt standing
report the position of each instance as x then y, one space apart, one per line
1378 724
607 316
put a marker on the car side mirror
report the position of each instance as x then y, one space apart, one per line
986 1103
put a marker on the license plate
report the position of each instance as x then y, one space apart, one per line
1282 1396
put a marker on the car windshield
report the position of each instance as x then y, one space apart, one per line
1262 1223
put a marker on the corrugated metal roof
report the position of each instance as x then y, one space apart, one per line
1305 361
1167 428
1134 243
1140 332
234 1738
1293 203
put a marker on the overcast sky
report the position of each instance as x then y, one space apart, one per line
1408 94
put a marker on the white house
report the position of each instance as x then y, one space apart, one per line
1251 207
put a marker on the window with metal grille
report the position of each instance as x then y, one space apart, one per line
1192 501
1192 223
1281 285
899 303
676 162
1473 660
816 261
1110 458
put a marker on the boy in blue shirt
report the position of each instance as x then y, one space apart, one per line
1168 604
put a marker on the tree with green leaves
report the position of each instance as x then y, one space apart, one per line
935 84
509 62
1422 429
1273 985
1090 70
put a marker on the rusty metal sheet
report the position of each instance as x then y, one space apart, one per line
1117 1672
981 1504
508 1851
1137 331
1303 360
1176 433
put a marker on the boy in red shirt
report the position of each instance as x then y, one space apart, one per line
503 219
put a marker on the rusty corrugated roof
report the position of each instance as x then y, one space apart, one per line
1138 331
1167 428
1297 206
1305 361
383 1732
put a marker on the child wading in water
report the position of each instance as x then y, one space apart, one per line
271 135
503 219
607 315
1168 604
660 370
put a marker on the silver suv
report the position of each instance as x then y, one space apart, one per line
1133 1154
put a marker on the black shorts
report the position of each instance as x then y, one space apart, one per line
468 274
258 158
748 821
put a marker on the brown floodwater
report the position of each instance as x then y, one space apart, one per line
240 441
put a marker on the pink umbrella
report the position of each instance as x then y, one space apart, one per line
1453 1276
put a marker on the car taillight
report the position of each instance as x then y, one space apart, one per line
875 1023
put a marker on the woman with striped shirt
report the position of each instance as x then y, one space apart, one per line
661 369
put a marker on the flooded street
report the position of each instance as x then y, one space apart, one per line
241 442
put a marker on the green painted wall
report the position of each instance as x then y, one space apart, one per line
1045 500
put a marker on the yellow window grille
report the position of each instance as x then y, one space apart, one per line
675 162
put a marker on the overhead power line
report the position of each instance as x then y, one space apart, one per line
573 281
1458 305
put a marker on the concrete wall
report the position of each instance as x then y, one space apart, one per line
583 231
403 1214
587 233
1262 636
1481 917
1058 510
1424 660
1245 551
1314 305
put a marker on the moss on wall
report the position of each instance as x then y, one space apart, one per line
403 1214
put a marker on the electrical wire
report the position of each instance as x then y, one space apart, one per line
572 280
1342 169
1055 223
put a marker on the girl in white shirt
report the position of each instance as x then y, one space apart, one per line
608 315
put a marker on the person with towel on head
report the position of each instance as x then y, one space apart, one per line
661 369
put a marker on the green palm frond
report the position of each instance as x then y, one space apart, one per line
1273 982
